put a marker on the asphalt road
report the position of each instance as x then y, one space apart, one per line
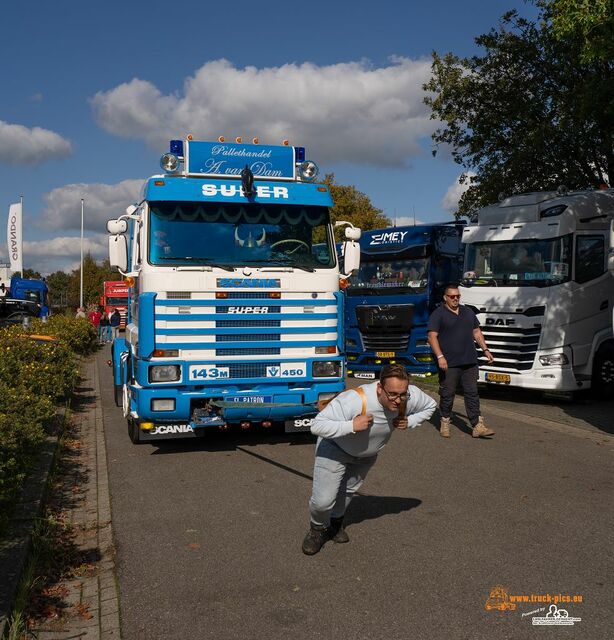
208 532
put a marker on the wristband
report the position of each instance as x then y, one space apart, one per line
440 357
485 350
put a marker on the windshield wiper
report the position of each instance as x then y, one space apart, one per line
206 261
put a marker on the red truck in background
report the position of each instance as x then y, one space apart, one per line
115 296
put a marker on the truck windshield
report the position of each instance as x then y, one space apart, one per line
228 235
387 277
529 263
114 301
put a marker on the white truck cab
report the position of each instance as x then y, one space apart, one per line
536 275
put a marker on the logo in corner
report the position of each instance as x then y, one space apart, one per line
498 599
554 617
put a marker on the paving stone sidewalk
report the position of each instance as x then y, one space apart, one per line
90 600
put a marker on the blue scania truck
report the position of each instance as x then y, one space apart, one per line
235 314
402 275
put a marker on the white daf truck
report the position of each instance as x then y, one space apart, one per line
536 275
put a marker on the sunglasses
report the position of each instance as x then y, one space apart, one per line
453 297
395 396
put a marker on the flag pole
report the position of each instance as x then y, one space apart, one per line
81 283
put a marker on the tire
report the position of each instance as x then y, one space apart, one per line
603 372
133 431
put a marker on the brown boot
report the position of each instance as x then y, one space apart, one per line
480 430
444 427
337 532
315 539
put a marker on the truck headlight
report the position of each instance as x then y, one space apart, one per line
326 369
554 360
164 373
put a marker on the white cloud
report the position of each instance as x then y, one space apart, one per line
454 193
101 203
20 145
61 253
349 112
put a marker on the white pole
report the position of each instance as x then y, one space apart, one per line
21 236
81 286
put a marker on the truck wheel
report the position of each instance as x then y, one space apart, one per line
133 431
603 372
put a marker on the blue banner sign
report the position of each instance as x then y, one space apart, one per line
229 159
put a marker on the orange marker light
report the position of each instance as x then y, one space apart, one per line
343 283
221 294
255 141
285 142
190 136
239 140
130 281
221 139
159 183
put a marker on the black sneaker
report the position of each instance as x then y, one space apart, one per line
337 532
314 540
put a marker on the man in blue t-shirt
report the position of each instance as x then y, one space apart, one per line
453 330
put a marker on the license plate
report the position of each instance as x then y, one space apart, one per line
250 399
364 375
298 424
505 378
384 354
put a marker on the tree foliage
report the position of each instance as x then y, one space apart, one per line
530 114
93 277
591 20
354 206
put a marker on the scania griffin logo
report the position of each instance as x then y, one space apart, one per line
251 283
505 322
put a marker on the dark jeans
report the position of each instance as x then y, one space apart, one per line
448 381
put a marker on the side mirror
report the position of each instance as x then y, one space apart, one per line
352 233
117 226
351 256
118 252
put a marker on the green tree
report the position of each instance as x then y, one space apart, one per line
93 277
30 274
59 286
530 114
354 206
592 21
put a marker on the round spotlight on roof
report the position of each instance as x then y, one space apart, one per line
169 162
308 170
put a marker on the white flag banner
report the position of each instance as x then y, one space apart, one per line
14 237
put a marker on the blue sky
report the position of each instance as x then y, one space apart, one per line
91 94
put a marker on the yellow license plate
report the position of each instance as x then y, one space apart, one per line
384 354
498 377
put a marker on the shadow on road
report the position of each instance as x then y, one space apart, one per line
372 507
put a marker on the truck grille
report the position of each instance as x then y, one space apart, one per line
385 342
513 348
234 327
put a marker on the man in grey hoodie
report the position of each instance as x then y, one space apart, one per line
351 430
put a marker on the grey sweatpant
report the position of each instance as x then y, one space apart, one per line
337 476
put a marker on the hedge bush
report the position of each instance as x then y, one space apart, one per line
35 375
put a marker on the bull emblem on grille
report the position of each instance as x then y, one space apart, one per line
250 241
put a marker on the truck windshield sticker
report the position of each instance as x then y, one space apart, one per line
231 190
251 283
